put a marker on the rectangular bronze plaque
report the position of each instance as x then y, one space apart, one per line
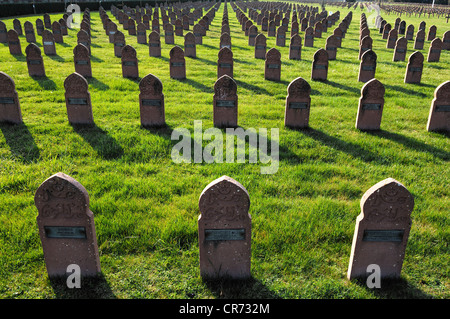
442 108
383 235
222 103
273 66
148 102
77 101
129 63
298 105
224 234
371 106
6 100
77 232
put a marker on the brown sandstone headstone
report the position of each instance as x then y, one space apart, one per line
281 36
151 101
431 33
420 40
9 100
14 43
365 44
66 226
35 61
295 47
189 45
48 42
439 117
434 52
3 32
225 41
382 230
177 63
78 100
225 62
368 66
119 43
260 46
17 26
82 60
331 47
224 230
225 102
29 32
252 33
154 44
131 27
141 33
370 107
400 49
130 67
198 32
319 70
85 39
392 39
169 37
57 32
39 26
298 103
414 68
309 37
387 28
272 70
445 40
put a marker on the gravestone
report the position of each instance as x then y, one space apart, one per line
155 25
295 47
169 36
141 33
17 26
319 70
422 25
131 27
154 44
392 39
400 49
414 68
189 45
272 29
224 230
298 103
35 62
439 116
112 29
382 230
386 30
260 46
151 101
434 52
294 28
309 37
3 32
84 39
272 70
445 40
368 66
410 32
63 25
39 26
198 33
252 33
29 32
14 43
225 102
225 41
420 40
281 36
66 226
47 21
48 42
431 33
78 100
370 108
178 28
177 63
225 62
339 35
331 47
57 32
9 100
130 67
366 44
318 29
119 43
82 60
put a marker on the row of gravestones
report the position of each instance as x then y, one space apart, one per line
225 103
68 234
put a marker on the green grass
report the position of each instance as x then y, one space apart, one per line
146 206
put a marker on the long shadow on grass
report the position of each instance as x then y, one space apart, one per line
20 141
240 289
340 145
45 83
105 146
356 91
90 288
251 87
411 143
395 289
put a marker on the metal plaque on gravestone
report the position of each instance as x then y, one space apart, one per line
298 103
224 230
225 102
130 67
272 70
225 62
382 230
151 101
82 60
177 63
35 62
78 100
414 68
9 100
14 43
439 116
370 108
66 226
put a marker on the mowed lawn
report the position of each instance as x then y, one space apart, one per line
146 206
